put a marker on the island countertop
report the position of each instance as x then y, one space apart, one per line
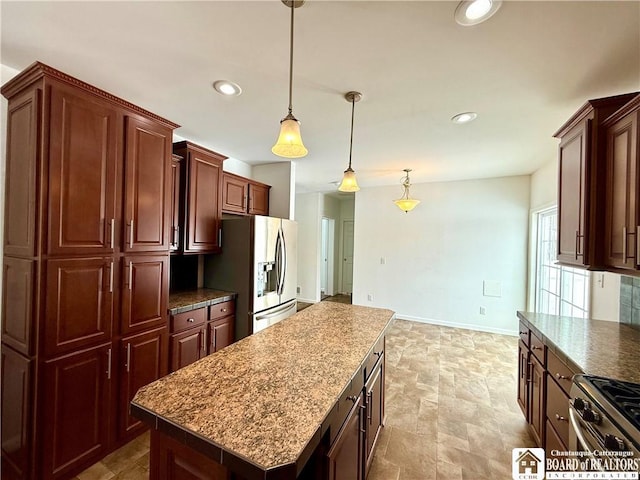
594 347
262 401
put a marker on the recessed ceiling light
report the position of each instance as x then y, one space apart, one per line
225 87
465 117
472 12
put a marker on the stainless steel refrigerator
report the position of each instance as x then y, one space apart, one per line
259 262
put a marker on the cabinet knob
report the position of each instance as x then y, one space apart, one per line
353 398
560 418
223 310
191 320
535 347
523 333
562 377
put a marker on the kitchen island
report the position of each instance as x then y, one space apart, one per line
284 403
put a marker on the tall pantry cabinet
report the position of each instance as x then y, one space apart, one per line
85 270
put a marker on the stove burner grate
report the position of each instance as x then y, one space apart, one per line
624 396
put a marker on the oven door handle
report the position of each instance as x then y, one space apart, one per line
574 420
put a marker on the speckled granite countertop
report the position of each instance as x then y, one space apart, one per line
595 347
192 299
262 401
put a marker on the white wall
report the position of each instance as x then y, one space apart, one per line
282 178
437 256
605 286
238 167
308 216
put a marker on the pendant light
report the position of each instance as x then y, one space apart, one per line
405 203
289 144
349 183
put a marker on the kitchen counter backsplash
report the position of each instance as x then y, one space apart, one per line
187 300
630 300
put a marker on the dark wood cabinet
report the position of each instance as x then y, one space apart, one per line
345 457
622 220
145 291
559 381
244 196
174 240
374 403
76 410
147 186
16 403
79 303
143 360
581 183
85 261
85 137
537 384
523 378
220 334
201 209
187 347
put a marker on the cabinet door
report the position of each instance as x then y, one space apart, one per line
375 412
258 199
204 209
17 304
76 410
21 187
174 241
147 186
536 399
235 192
187 347
572 241
220 334
79 303
523 378
345 455
144 292
84 141
143 360
621 223
17 410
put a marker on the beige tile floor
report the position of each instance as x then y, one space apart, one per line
451 410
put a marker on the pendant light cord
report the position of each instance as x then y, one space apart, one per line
291 59
353 107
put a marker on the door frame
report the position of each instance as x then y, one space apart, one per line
328 267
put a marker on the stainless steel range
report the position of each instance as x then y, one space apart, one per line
605 416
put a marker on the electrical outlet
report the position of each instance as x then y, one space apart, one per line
370 297
297 289
383 261
483 311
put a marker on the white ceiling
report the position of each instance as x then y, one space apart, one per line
525 71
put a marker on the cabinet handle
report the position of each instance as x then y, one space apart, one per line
131 234
130 275
560 418
523 333
128 357
529 376
113 231
577 244
220 237
562 377
109 364
369 401
535 347
111 278
624 244
363 422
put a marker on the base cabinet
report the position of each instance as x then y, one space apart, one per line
345 456
187 347
374 408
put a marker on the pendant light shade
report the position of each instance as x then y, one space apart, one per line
405 203
349 183
289 144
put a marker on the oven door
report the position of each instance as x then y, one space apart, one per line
582 438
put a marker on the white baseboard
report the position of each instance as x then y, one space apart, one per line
467 326
306 300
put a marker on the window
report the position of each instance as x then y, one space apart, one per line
558 290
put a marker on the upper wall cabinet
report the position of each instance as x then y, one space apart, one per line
582 171
201 209
243 196
622 218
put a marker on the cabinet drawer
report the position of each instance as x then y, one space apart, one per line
558 409
192 318
523 331
538 348
223 309
553 441
372 359
350 396
562 374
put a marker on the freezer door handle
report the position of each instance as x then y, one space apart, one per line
283 261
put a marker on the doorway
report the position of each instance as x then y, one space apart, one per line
327 257
347 257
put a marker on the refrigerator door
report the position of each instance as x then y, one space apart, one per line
267 318
266 268
289 264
